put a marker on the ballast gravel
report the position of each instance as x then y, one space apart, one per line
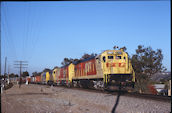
34 98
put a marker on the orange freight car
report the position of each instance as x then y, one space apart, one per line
38 79
29 79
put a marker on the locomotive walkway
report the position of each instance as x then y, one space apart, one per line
45 99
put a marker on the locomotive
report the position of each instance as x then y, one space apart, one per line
109 69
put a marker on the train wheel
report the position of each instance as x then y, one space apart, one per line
106 88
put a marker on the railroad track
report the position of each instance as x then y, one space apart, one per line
150 96
124 93
131 94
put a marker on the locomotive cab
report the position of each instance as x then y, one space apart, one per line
117 68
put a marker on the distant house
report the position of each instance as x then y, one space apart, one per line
159 87
161 76
169 88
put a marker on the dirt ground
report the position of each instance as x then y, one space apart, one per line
45 99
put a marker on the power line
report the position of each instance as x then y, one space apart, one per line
8 32
20 65
0 39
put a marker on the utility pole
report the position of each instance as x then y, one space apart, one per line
0 49
8 74
5 70
5 66
0 38
3 81
21 65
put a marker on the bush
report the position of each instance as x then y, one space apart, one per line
10 85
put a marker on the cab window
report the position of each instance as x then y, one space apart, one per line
110 57
104 58
118 57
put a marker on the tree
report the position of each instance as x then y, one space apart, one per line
66 61
55 67
75 60
86 55
46 70
34 73
16 75
24 74
38 73
146 62
12 75
2 76
115 47
124 48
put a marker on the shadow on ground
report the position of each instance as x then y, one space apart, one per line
120 92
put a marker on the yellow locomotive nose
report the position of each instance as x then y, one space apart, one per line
116 62
117 67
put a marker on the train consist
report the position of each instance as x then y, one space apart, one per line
110 68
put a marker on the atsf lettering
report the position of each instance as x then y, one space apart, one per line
115 64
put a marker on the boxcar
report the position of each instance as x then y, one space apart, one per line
38 79
33 78
29 79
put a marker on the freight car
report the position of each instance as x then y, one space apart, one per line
38 79
28 79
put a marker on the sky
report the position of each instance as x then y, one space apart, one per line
44 33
